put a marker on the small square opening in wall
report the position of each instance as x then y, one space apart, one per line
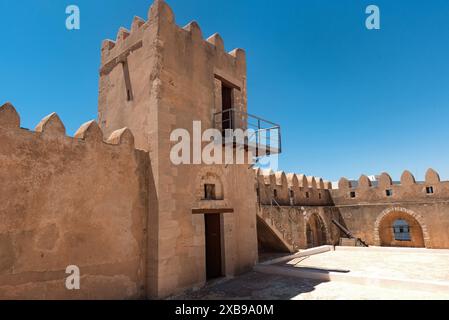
307 195
275 193
429 190
389 192
352 194
209 192
292 194
319 195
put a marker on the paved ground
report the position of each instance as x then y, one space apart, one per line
258 286
409 264
397 264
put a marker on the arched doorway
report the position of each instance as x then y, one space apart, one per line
399 228
315 231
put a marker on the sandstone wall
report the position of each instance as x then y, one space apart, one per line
368 210
278 188
288 203
71 201
176 75
290 225
191 68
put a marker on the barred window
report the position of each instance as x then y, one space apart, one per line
401 230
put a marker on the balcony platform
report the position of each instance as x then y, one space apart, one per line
263 139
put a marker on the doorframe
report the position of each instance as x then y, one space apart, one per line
228 238
222 246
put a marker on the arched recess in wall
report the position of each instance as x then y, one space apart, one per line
316 231
210 185
385 234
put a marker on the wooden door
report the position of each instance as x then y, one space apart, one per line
228 114
213 246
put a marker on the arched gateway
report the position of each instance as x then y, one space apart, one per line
316 231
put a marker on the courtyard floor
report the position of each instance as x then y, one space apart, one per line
259 286
389 263
419 264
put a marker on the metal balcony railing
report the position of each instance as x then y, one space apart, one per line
262 137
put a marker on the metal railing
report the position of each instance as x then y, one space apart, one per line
263 138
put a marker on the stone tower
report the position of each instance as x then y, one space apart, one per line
154 79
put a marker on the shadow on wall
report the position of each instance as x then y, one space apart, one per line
268 241
316 233
400 229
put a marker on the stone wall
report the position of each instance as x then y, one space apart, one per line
369 210
176 76
279 188
297 209
71 201
291 223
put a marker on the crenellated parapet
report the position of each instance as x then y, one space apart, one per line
300 190
142 33
279 188
84 198
157 66
52 128
384 190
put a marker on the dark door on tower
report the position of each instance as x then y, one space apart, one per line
228 114
213 246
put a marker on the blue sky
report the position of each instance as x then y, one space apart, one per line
350 100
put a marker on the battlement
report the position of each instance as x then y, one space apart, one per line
80 200
279 188
160 13
157 67
384 190
51 128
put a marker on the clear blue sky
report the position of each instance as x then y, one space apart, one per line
350 101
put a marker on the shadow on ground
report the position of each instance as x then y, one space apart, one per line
252 286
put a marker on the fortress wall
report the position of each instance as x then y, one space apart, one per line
407 191
362 220
71 201
292 189
366 209
176 77
190 86
289 202
131 65
291 223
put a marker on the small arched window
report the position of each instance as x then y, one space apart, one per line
211 187
209 192
401 230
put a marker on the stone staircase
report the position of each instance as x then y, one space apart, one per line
273 231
